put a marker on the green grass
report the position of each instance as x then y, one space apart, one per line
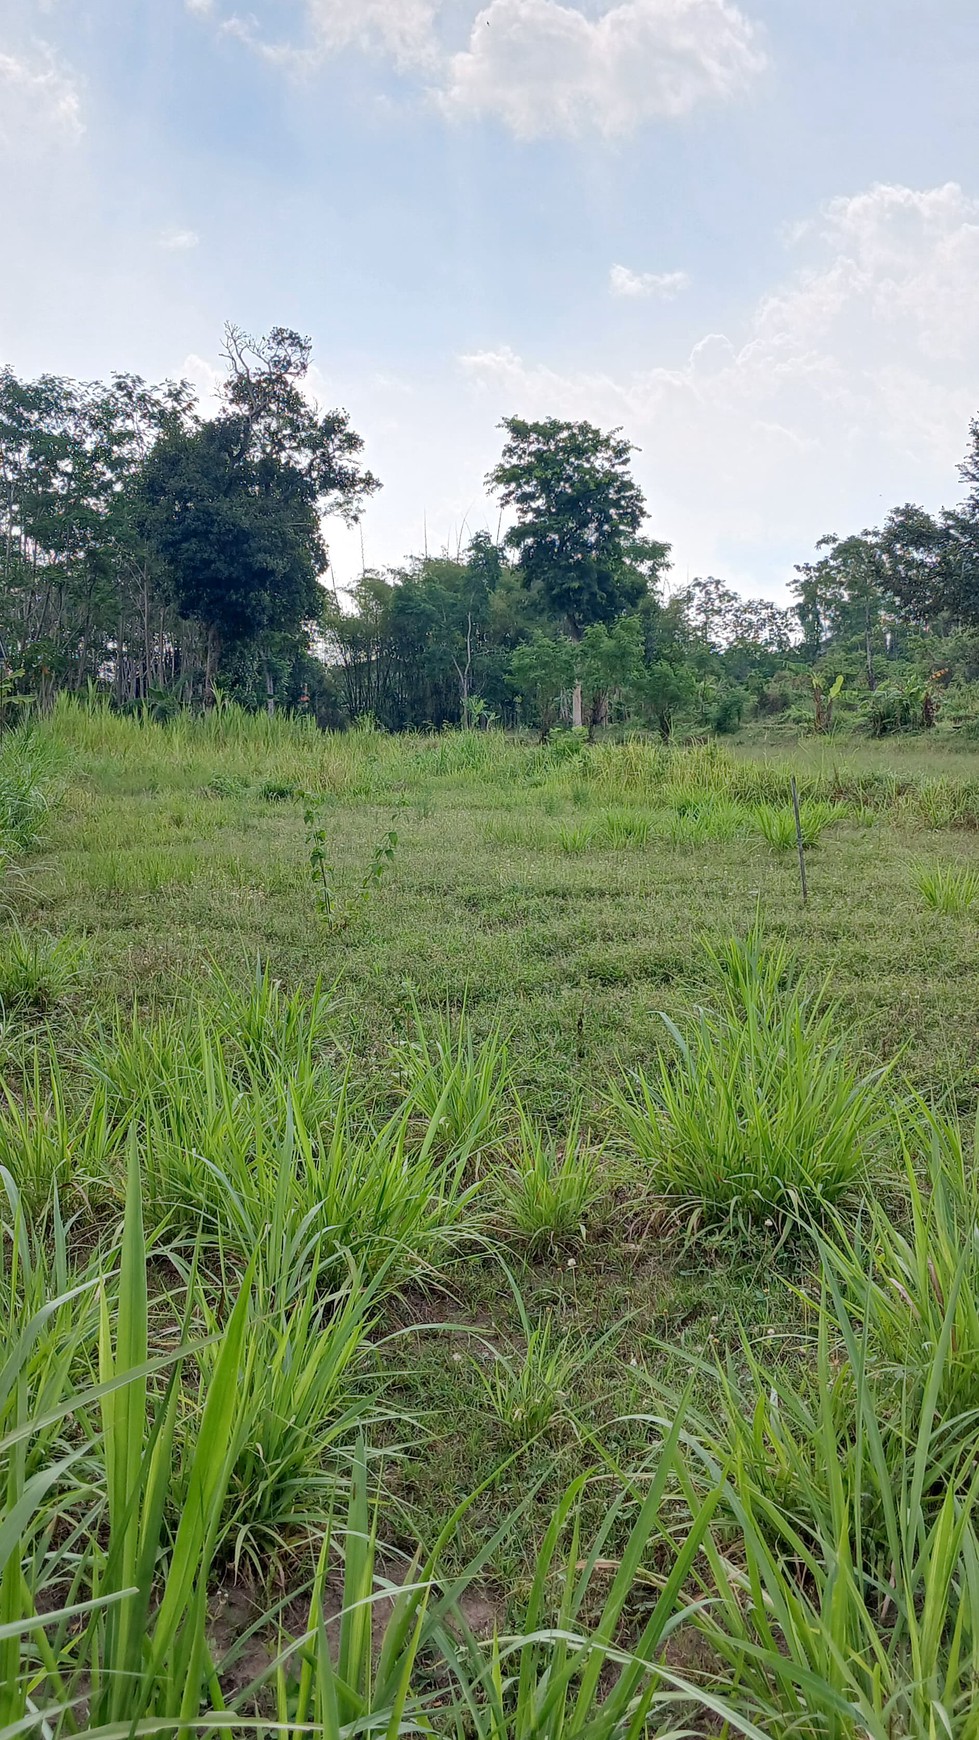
319 1244
755 1115
947 888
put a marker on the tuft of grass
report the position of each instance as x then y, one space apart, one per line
756 1113
548 1184
624 830
578 839
459 1085
947 888
712 817
37 970
848 1603
906 1278
777 825
301 1404
528 1390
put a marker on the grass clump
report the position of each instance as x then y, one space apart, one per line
756 1113
777 825
848 1606
458 1084
914 1280
548 1186
947 888
36 970
29 761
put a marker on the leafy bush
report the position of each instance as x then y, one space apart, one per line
757 1112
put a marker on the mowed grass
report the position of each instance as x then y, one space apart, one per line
437 1167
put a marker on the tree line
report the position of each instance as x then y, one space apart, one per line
169 558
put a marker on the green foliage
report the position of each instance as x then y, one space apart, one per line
458 1084
28 769
777 825
542 670
579 514
756 1114
549 1184
301 1403
335 911
848 1606
947 888
36 970
905 1278
528 1390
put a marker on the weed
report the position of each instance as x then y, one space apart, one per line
624 830
276 791
777 826
527 1391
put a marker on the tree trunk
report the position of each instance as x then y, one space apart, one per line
269 691
869 646
576 712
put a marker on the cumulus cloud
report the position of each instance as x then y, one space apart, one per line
664 285
543 67
39 100
848 388
178 241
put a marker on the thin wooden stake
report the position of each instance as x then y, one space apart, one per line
798 838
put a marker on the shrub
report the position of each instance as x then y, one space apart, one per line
757 1112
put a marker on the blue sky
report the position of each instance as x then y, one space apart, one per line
748 234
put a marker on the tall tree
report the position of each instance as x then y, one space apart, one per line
234 507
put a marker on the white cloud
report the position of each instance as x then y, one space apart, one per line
664 285
543 67
848 389
39 100
403 29
178 241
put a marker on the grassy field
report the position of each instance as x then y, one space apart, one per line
368 1035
